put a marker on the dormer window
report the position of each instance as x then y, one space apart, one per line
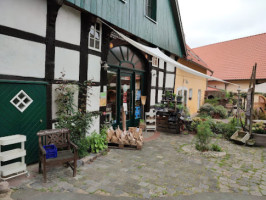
95 36
151 9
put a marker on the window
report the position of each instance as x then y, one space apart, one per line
190 94
95 36
21 101
154 62
151 9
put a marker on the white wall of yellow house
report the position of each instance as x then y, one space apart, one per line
68 25
21 57
94 68
25 15
66 61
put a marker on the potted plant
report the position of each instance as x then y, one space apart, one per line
142 124
259 133
163 97
157 107
168 95
174 96
179 98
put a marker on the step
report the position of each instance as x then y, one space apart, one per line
13 168
13 139
12 154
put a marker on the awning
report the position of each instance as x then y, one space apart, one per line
159 54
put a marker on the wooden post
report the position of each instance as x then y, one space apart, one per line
252 97
124 120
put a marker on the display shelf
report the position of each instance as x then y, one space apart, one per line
13 139
16 168
151 120
13 168
12 154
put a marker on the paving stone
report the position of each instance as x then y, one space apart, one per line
159 169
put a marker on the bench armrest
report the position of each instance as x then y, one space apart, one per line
42 150
75 147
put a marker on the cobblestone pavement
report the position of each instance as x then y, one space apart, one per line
161 169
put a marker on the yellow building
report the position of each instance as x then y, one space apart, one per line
191 87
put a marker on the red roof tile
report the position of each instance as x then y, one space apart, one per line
231 60
192 56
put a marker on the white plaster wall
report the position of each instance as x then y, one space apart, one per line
93 102
68 25
94 68
160 79
25 15
21 57
54 97
152 103
95 126
160 92
153 77
66 61
170 78
161 64
170 68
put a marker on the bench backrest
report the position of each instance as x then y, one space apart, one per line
58 137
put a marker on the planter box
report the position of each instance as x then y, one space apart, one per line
260 139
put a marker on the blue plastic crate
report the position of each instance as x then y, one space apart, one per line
51 151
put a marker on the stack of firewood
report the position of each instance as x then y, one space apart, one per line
131 137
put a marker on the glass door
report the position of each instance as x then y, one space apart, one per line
126 98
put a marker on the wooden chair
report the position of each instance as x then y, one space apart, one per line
67 150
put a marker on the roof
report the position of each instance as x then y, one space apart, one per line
212 89
233 60
193 57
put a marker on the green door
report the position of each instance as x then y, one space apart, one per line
23 111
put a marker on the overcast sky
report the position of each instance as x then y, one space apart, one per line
211 21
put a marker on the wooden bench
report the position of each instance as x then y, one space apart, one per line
67 150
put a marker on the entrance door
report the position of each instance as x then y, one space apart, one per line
199 99
127 96
23 111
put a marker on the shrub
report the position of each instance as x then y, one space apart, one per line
213 102
213 111
216 147
221 111
97 142
206 109
203 137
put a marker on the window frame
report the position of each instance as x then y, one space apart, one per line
190 93
94 39
151 18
